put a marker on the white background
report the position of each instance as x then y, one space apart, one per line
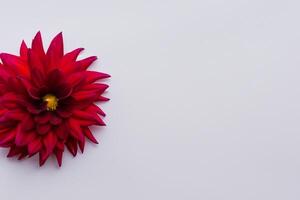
205 99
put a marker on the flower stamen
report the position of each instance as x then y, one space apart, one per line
51 101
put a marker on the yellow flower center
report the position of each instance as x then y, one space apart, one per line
52 102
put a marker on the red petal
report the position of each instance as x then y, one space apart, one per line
72 146
96 87
55 120
55 51
15 63
34 146
13 151
68 60
60 145
34 110
12 115
15 85
37 46
23 155
23 138
55 77
79 78
4 130
11 99
101 98
8 137
76 79
71 56
62 132
94 108
27 124
42 129
85 95
43 118
23 50
50 142
59 155
83 64
75 129
81 145
64 113
88 117
89 135
33 93
64 91
4 74
43 157
36 69
92 76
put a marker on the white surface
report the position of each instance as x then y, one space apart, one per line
205 99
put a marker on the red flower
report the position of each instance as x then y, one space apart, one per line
48 100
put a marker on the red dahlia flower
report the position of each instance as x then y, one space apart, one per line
48 100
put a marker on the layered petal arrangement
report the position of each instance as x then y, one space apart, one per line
48 100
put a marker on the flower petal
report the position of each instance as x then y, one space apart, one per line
8 137
96 87
23 138
72 146
43 118
59 155
83 64
37 46
81 145
101 98
92 76
23 50
86 95
54 78
14 64
64 91
36 69
77 79
79 114
68 60
42 129
14 150
55 51
34 146
89 135
55 120
75 129
94 108
12 116
11 100
43 156
50 142
23 154
27 124
61 132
